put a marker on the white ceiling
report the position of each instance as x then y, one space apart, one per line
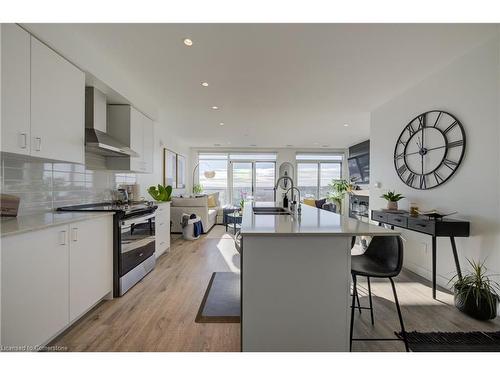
276 84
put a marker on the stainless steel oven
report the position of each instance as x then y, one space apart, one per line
137 247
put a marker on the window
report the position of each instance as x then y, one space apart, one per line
237 175
219 182
315 172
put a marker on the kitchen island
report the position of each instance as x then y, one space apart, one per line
295 279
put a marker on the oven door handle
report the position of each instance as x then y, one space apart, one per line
137 220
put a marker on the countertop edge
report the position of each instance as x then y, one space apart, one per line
328 234
84 216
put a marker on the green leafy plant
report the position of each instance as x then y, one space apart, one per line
476 293
391 196
161 193
338 191
197 189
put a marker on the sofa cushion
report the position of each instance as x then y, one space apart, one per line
212 214
320 202
190 202
212 202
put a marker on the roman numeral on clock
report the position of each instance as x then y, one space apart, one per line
423 181
437 119
455 144
399 156
450 164
438 178
410 179
453 124
410 129
402 169
421 122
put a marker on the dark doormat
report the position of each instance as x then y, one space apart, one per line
221 302
453 341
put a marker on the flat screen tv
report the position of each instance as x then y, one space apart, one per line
359 168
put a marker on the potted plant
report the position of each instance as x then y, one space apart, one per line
338 191
197 189
475 294
161 193
392 200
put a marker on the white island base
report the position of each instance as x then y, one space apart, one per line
295 285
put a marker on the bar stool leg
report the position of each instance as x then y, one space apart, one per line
399 314
352 311
355 293
370 298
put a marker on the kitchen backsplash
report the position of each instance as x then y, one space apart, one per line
43 186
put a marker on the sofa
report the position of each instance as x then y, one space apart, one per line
206 207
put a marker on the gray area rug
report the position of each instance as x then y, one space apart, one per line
221 302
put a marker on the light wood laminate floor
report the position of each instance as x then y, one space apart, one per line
158 313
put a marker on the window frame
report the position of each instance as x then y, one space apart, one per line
318 163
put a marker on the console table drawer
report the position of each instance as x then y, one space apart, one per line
399 220
379 216
425 226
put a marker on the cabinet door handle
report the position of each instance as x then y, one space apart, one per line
23 140
62 237
38 143
74 234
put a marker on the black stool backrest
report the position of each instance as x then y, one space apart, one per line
387 251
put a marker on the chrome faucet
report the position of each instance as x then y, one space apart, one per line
299 206
278 182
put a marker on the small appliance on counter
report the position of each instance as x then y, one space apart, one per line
133 239
9 205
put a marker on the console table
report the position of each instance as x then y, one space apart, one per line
436 228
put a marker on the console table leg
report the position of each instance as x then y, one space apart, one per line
455 256
434 267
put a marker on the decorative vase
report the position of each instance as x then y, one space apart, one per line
393 206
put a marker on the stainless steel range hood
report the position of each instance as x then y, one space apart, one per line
97 141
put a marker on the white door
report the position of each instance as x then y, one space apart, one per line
90 264
148 145
35 280
15 89
57 106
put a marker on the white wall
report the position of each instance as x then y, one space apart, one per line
164 139
469 89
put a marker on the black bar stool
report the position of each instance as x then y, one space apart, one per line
382 259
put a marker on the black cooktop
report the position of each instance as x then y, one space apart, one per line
134 207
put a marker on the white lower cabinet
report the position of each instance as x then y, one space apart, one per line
51 277
162 228
90 264
35 282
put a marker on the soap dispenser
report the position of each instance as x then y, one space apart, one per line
285 201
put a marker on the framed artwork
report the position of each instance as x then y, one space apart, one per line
169 168
181 172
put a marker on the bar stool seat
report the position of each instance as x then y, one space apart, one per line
382 259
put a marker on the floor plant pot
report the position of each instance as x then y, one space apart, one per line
480 309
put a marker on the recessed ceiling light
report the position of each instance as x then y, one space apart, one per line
204 84
221 123
215 107
216 144
289 145
188 42
346 125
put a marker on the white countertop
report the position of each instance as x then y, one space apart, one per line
27 223
312 221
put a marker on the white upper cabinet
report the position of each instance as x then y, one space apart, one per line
135 130
43 100
57 106
15 89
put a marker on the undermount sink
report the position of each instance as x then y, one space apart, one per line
270 211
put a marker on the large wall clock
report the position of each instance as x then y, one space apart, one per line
429 150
